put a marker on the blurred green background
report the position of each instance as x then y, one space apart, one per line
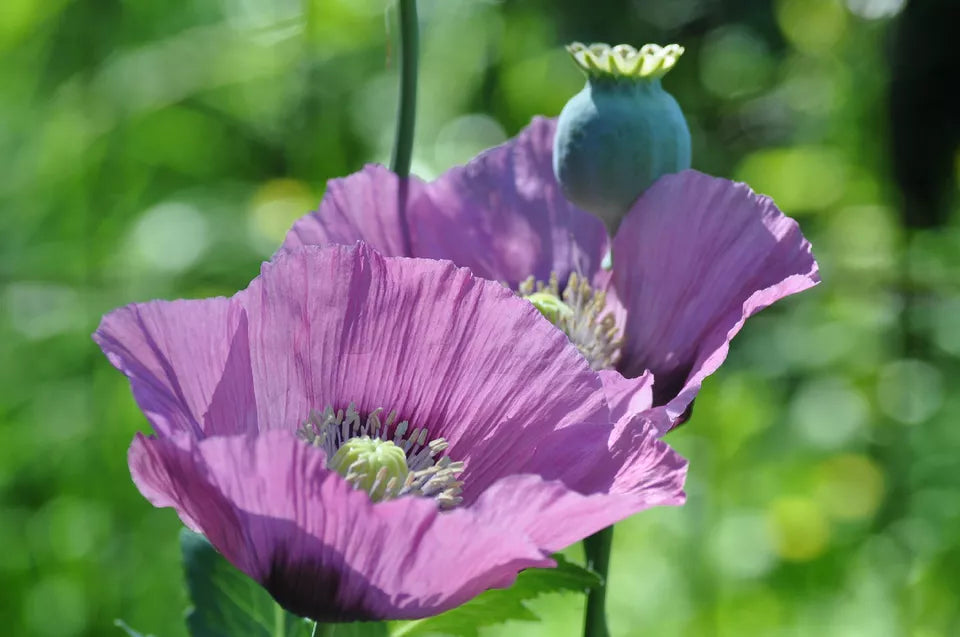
162 148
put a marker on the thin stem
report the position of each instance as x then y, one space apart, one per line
597 547
407 111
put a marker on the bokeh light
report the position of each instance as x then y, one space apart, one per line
169 237
799 528
274 207
909 391
813 26
850 487
829 412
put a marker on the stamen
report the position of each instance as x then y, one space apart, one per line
385 466
582 317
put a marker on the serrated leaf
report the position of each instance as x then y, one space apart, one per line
500 605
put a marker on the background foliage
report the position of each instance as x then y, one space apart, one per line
161 149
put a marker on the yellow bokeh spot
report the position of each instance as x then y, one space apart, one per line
21 18
812 26
799 528
342 25
863 237
850 487
754 612
742 407
800 179
275 206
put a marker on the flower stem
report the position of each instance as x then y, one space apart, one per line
597 548
407 111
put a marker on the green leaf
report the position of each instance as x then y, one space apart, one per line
227 603
500 605
352 629
122 625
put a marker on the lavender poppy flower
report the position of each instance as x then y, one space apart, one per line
350 425
695 256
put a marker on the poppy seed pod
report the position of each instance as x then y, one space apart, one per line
622 131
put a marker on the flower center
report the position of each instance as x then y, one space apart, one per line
580 312
379 457
373 465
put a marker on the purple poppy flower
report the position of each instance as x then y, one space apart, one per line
350 425
695 256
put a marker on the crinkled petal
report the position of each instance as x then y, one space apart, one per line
694 258
233 408
631 447
176 355
461 356
626 396
646 473
321 548
631 402
364 206
504 215
573 456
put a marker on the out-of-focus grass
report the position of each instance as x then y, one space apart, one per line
161 149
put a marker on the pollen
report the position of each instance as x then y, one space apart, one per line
580 311
385 458
376 466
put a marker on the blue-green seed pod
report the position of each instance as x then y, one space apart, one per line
622 131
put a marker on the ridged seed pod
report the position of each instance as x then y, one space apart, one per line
622 131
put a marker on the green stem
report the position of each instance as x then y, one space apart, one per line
597 548
407 111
